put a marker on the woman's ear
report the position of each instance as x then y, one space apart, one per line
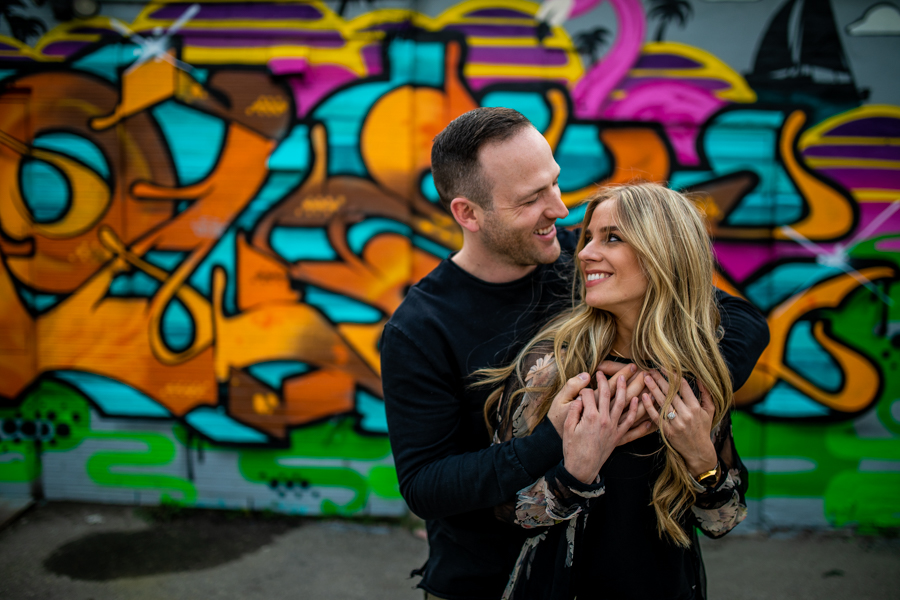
468 214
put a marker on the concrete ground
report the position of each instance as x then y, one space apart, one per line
75 551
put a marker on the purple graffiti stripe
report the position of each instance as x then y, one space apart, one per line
889 245
868 127
518 56
665 61
702 83
93 31
854 152
7 47
400 26
478 83
883 179
869 211
499 13
509 31
372 56
741 259
261 11
64 48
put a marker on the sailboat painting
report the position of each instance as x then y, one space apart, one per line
800 59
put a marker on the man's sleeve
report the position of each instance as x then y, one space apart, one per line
746 336
438 478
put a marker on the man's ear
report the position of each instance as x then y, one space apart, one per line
468 214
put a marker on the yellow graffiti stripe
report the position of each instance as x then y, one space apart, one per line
711 67
853 162
329 20
23 49
517 71
816 135
875 195
856 141
349 56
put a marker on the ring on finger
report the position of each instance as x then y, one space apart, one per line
671 415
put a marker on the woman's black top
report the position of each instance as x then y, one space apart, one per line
601 540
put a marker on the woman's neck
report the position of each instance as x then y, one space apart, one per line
622 345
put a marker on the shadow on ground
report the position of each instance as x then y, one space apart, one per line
188 543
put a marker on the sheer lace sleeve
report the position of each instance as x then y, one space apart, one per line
557 496
718 510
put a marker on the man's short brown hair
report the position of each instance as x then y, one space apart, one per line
454 155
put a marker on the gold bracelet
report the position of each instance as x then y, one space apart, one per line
714 472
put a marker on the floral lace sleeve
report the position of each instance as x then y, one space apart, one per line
718 510
557 496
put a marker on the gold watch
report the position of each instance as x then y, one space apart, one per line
710 478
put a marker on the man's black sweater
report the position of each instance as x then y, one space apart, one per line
449 325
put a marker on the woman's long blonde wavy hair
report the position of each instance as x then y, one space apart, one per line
677 330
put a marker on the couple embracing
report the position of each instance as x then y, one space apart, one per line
558 402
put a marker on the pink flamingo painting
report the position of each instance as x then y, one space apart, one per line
681 106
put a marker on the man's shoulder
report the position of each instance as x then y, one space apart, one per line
430 296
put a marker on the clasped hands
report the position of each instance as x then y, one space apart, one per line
593 422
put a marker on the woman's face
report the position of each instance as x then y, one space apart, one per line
614 279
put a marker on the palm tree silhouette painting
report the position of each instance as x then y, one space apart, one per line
590 43
21 27
667 11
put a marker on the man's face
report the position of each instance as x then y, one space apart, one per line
519 227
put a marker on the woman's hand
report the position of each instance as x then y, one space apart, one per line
689 429
593 428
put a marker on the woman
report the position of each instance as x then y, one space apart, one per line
645 295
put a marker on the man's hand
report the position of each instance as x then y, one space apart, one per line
560 407
593 428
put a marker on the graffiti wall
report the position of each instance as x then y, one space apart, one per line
208 210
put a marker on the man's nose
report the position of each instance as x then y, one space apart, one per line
556 209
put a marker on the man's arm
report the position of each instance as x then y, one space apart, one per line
746 336
437 477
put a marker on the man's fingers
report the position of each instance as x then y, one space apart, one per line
574 386
574 416
588 401
626 424
618 406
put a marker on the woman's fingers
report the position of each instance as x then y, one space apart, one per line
706 402
656 392
660 381
650 408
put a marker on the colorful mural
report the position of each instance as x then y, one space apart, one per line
210 209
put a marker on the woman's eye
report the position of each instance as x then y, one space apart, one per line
613 238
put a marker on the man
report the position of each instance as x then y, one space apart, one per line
495 173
